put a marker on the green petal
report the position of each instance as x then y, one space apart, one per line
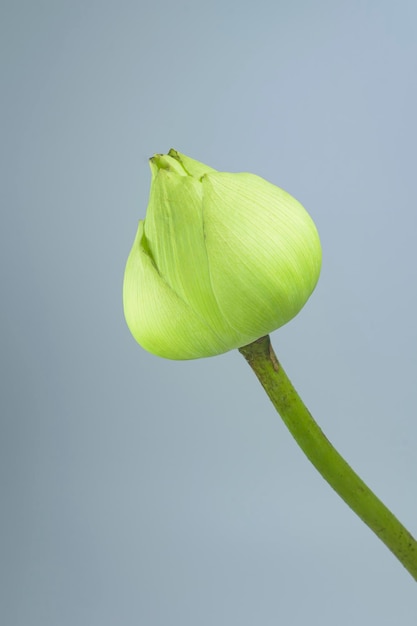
160 321
263 249
192 167
175 234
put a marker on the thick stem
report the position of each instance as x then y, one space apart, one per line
324 456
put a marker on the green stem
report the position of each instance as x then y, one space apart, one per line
324 456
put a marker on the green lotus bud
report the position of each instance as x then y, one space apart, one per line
219 261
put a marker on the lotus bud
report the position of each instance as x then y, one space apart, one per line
220 260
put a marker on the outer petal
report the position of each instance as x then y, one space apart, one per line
157 317
175 234
263 248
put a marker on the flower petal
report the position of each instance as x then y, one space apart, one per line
192 167
263 249
175 234
157 317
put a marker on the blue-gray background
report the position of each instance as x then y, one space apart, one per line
141 491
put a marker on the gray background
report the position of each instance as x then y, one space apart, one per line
141 491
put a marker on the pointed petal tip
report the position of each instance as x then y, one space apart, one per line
166 162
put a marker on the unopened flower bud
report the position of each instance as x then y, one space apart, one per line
220 260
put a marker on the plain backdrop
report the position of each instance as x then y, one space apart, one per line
139 491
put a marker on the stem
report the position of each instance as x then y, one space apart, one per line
325 458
